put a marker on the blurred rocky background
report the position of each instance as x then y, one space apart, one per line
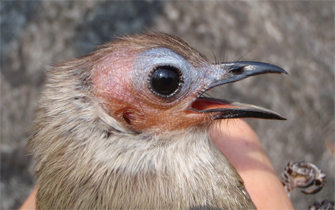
296 35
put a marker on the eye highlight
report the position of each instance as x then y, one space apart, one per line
165 81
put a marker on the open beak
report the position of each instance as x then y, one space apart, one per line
231 72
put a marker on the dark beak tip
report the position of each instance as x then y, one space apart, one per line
274 116
281 118
285 72
273 69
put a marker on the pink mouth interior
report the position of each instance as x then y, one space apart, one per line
208 103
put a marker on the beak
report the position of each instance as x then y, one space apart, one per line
231 72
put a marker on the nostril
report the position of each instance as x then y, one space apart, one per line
237 70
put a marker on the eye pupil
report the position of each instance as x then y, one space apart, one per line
165 80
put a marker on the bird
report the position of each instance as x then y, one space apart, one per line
127 127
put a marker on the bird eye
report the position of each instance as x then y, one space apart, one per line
165 81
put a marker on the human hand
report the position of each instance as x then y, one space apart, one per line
241 146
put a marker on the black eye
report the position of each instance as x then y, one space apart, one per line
165 80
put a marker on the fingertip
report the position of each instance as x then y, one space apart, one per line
30 203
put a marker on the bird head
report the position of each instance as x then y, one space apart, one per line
154 83
102 135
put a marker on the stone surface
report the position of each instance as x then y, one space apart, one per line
298 36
